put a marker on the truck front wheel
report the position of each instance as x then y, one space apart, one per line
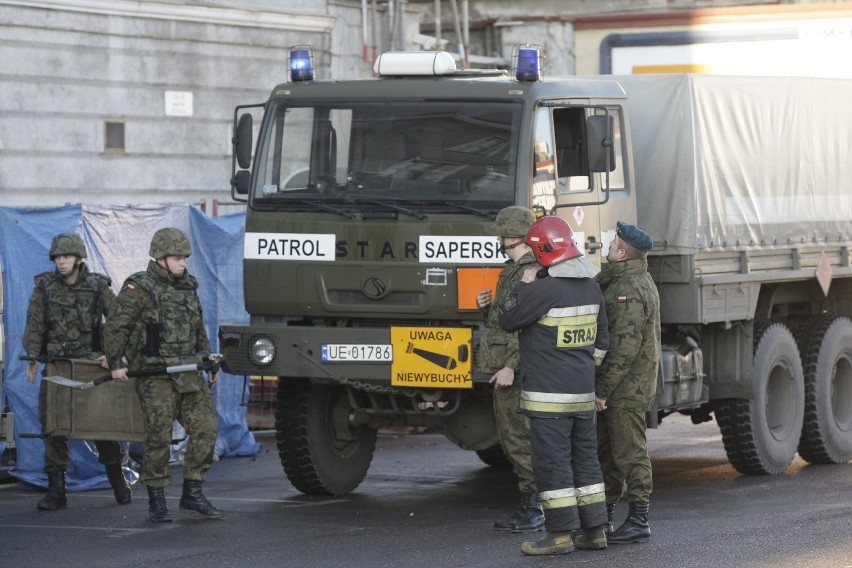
826 348
322 454
761 435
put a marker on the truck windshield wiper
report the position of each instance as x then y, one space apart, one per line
405 210
473 210
330 209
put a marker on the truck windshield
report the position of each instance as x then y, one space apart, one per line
428 153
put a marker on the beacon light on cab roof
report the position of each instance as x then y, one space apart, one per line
527 59
301 64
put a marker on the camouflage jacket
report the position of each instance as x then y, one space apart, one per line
627 378
498 348
156 321
67 321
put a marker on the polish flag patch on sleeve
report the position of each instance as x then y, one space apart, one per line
621 299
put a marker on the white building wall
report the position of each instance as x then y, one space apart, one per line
67 67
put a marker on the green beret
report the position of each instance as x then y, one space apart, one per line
634 236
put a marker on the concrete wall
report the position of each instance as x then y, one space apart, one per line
68 68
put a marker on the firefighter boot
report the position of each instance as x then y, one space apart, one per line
635 528
157 508
55 498
591 539
119 484
550 543
531 518
194 500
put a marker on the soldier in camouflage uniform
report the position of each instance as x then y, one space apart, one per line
626 382
498 356
64 320
157 322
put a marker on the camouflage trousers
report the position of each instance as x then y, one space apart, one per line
623 453
514 432
56 455
196 412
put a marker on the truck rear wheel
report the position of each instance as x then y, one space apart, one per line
320 452
826 348
761 435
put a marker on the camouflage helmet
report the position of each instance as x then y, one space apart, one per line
67 243
169 242
513 221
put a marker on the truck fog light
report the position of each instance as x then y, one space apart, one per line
262 351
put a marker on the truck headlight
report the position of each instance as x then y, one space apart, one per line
262 351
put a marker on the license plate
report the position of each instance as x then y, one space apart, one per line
355 353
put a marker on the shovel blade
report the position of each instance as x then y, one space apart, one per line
64 382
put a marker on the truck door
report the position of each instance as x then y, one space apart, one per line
564 182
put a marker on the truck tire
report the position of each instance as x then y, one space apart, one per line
321 454
761 435
826 347
494 456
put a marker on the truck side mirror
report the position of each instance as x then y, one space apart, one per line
600 132
242 142
241 181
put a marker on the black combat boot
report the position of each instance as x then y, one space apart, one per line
635 528
506 524
55 498
119 484
194 500
527 517
610 507
531 516
157 508
591 539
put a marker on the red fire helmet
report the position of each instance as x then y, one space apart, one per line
552 241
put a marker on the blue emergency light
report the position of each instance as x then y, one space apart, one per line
301 64
528 63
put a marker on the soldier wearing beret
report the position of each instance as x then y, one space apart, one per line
626 382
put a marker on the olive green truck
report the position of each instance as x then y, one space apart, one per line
369 230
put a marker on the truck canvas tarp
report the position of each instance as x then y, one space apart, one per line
725 162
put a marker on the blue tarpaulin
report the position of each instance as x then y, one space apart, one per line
117 239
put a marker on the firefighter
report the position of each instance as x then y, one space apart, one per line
560 312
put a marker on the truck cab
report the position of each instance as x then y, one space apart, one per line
369 232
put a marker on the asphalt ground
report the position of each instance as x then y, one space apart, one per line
427 503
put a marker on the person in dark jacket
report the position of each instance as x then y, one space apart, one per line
560 313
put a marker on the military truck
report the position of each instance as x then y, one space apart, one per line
369 230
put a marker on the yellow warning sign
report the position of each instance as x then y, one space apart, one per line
434 357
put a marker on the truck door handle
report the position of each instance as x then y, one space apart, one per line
592 245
